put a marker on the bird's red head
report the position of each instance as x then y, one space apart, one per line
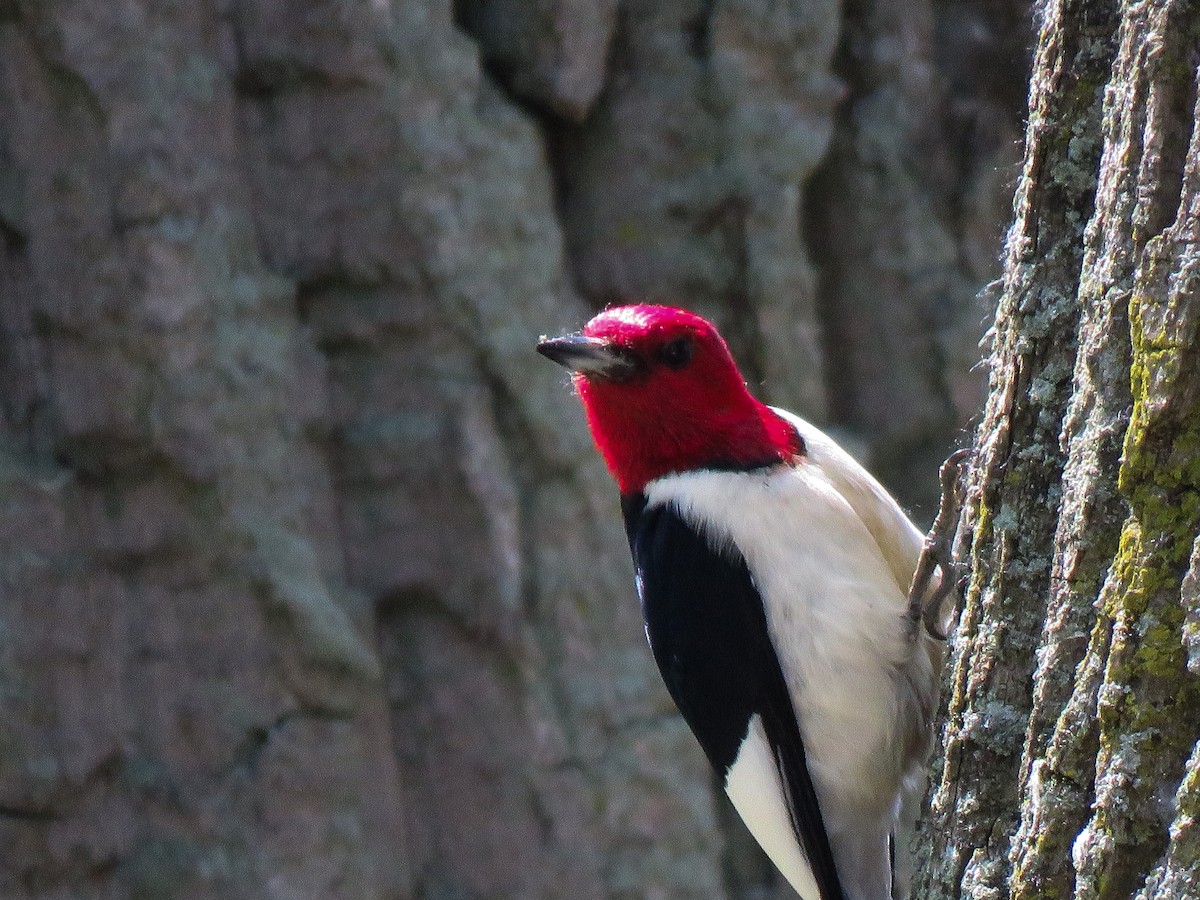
663 395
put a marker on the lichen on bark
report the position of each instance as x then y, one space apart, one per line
1097 655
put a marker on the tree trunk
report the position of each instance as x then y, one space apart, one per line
1069 763
311 584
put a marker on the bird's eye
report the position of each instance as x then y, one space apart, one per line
678 353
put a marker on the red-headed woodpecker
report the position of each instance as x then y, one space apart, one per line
773 573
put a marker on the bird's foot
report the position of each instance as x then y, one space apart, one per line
927 596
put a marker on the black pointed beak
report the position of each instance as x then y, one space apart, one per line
593 357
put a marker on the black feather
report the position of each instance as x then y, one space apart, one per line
708 632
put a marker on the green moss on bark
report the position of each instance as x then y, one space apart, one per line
1148 703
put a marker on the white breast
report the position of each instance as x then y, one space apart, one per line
835 611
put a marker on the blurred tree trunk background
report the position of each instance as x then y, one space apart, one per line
311 584
1070 764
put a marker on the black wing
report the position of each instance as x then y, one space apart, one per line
708 632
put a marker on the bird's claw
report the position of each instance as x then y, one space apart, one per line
925 604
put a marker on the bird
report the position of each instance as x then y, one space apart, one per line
773 574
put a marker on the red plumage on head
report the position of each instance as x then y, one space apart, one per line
670 417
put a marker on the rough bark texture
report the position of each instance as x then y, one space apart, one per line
310 582
1068 762
902 257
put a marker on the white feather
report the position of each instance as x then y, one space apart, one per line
831 554
754 788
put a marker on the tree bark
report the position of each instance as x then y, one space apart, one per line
311 584
1068 763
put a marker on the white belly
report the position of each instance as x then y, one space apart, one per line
836 617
